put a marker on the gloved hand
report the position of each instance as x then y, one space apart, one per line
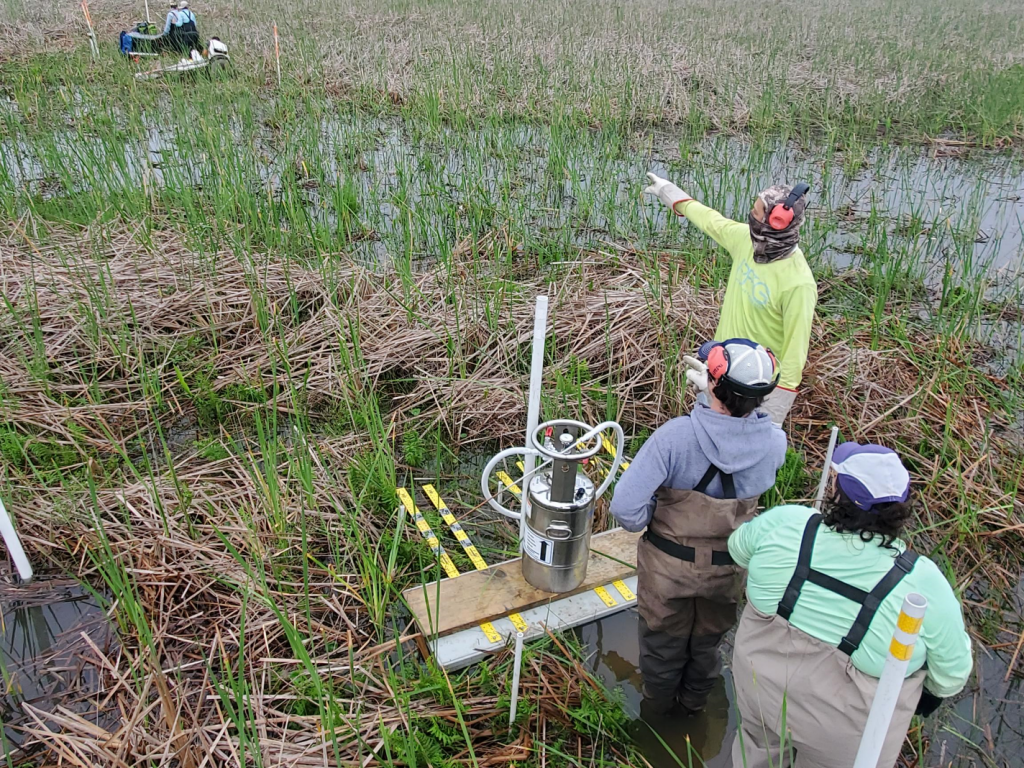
928 704
666 191
697 374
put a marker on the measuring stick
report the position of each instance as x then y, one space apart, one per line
457 531
428 535
450 568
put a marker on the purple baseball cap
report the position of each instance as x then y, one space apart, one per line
870 474
705 349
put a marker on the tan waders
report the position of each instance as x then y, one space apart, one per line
688 590
801 701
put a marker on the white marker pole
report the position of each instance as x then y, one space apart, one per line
14 545
828 465
908 625
147 13
540 324
517 667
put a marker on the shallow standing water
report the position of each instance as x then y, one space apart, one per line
984 728
46 659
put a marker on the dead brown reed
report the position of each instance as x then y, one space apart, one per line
102 330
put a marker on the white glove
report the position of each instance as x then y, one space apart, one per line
697 374
666 191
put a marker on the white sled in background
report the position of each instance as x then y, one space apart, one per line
215 56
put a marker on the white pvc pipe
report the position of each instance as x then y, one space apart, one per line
14 545
824 470
147 12
891 682
517 666
540 324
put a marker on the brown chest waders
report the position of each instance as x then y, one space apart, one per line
797 693
688 590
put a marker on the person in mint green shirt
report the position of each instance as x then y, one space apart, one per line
771 293
824 592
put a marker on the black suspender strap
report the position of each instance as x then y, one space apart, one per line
869 601
803 568
903 565
728 487
841 588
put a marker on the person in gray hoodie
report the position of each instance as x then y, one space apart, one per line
694 481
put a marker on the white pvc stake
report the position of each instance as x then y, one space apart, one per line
908 625
14 545
277 54
517 666
540 324
828 465
147 13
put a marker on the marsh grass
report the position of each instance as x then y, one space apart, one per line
283 547
912 69
237 316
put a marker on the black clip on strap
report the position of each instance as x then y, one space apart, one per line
803 568
728 486
903 565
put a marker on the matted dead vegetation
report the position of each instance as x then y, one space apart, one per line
242 558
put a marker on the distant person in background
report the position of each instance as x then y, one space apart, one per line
180 32
823 595
771 293
694 481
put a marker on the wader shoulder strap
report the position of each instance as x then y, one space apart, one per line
903 565
869 601
803 568
728 487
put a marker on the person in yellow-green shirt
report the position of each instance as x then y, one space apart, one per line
771 293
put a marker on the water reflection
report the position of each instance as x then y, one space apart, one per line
983 727
666 741
46 657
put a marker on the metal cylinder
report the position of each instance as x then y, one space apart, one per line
556 547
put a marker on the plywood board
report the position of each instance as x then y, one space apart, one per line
465 647
452 604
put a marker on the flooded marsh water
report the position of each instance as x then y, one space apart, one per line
984 726
48 634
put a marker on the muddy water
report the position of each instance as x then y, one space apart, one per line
46 659
985 726
615 652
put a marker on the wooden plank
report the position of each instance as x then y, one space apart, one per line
460 649
452 604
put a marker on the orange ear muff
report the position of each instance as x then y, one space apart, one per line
718 361
781 215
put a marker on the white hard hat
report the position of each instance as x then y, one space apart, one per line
182 5
748 368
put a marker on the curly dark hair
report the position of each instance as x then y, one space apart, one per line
737 405
886 520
